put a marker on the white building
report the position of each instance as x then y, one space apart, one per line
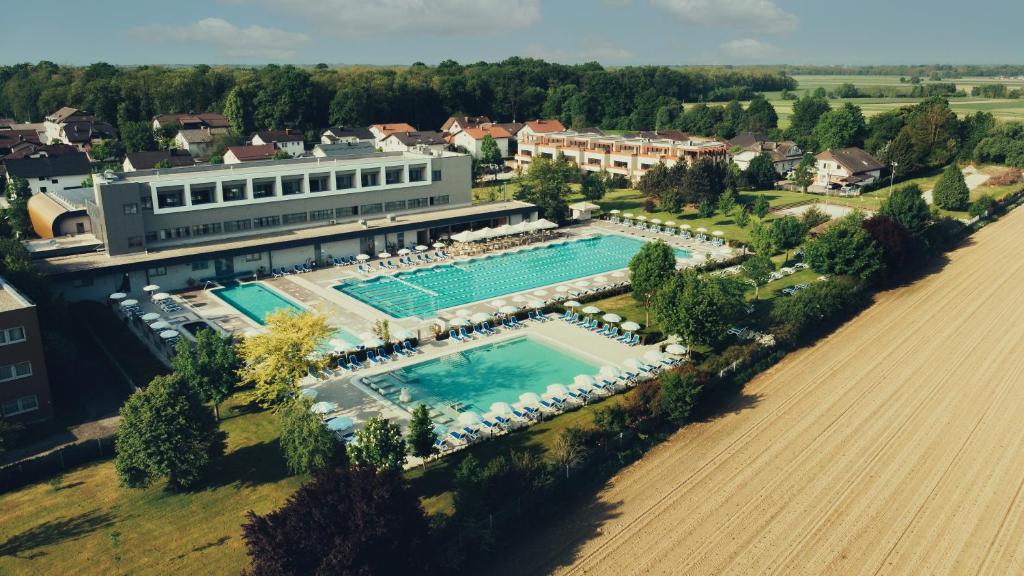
785 155
199 142
382 131
419 141
336 134
846 167
455 124
291 141
46 173
472 138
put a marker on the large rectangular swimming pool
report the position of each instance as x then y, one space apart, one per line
477 377
256 301
423 292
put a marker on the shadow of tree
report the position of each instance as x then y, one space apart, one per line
249 466
53 532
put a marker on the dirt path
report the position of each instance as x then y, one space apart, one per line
896 446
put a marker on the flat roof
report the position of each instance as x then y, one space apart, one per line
11 298
259 165
272 240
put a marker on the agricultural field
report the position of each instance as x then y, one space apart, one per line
858 455
1003 109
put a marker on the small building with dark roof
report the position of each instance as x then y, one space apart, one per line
148 160
291 141
340 133
423 141
846 167
50 173
239 154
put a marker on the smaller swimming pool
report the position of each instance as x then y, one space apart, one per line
254 300
475 378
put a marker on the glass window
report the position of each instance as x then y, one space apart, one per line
158 271
255 257
206 229
134 241
233 191
394 206
416 174
146 202
19 405
238 225
16 334
393 176
435 175
203 193
291 186
263 188
371 179
15 371
319 183
371 209
347 211
344 181
439 200
317 215
132 208
266 221
201 265
170 197
295 218
417 203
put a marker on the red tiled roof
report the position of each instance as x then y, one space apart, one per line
494 131
550 125
389 129
249 153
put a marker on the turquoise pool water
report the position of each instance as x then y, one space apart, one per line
256 301
423 292
499 372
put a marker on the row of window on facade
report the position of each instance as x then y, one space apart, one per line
199 194
292 219
20 405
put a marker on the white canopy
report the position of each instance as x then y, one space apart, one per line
591 310
373 342
363 257
535 303
159 326
479 317
459 322
612 318
677 349
571 304
323 407
404 251
159 296
150 317
118 296
508 309
467 236
501 408
653 356
469 418
340 423
422 248
702 229
384 255
150 288
168 334
718 233
630 326
557 390
438 244
128 303
498 303
542 224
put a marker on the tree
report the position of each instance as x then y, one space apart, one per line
421 434
345 521
760 173
761 206
210 366
760 115
705 209
274 361
704 180
546 184
238 112
166 432
818 308
16 218
841 128
812 217
699 307
789 233
762 238
984 206
379 444
907 206
951 191
679 391
489 151
306 442
806 113
757 269
17 187
281 154
165 163
727 202
654 181
803 175
648 270
846 249
592 186
741 216
897 245
137 136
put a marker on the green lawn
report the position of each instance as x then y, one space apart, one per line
89 525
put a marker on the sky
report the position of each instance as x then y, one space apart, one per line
612 32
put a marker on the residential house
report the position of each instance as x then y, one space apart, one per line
24 385
46 173
149 159
382 131
426 141
77 128
11 140
746 146
239 154
538 127
344 149
628 155
846 167
455 124
190 121
291 141
336 134
60 213
199 142
471 138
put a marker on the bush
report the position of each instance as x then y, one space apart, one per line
679 391
945 234
984 206
817 309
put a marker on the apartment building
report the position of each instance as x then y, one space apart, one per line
24 386
630 155
182 226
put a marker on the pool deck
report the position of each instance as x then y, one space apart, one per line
359 402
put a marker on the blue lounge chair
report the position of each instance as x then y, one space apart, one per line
464 334
613 333
372 357
634 340
384 355
410 347
397 349
486 328
354 362
578 396
454 336
604 330
625 337
306 268
441 446
506 324
548 404
457 436
579 321
489 425
501 420
274 272
344 365
296 269
515 322
567 316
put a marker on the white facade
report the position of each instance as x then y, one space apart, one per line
55 183
294 148
829 172
393 144
472 144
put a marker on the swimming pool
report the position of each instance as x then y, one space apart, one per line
477 377
423 292
256 301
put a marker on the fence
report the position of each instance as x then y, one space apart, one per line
38 468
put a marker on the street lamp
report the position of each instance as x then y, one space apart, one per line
892 176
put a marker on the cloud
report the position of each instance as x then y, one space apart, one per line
378 18
760 15
251 42
750 50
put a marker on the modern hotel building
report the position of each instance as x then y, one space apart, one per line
181 227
